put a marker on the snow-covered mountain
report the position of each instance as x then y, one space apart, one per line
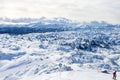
28 25
46 47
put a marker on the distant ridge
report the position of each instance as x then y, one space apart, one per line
41 25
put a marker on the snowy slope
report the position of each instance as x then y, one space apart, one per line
69 75
73 75
72 51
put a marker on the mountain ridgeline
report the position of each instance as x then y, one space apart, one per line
55 25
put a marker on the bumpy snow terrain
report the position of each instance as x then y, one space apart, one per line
58 49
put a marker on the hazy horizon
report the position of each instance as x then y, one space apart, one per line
80 10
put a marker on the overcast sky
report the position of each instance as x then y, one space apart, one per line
81 10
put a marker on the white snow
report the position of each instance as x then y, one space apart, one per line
73 75
83 54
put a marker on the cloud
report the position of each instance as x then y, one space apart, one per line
81 10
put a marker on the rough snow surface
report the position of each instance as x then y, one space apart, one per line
76 54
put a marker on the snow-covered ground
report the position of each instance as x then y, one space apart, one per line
73 75
73 54
68 75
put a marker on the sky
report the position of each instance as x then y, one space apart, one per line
81 10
